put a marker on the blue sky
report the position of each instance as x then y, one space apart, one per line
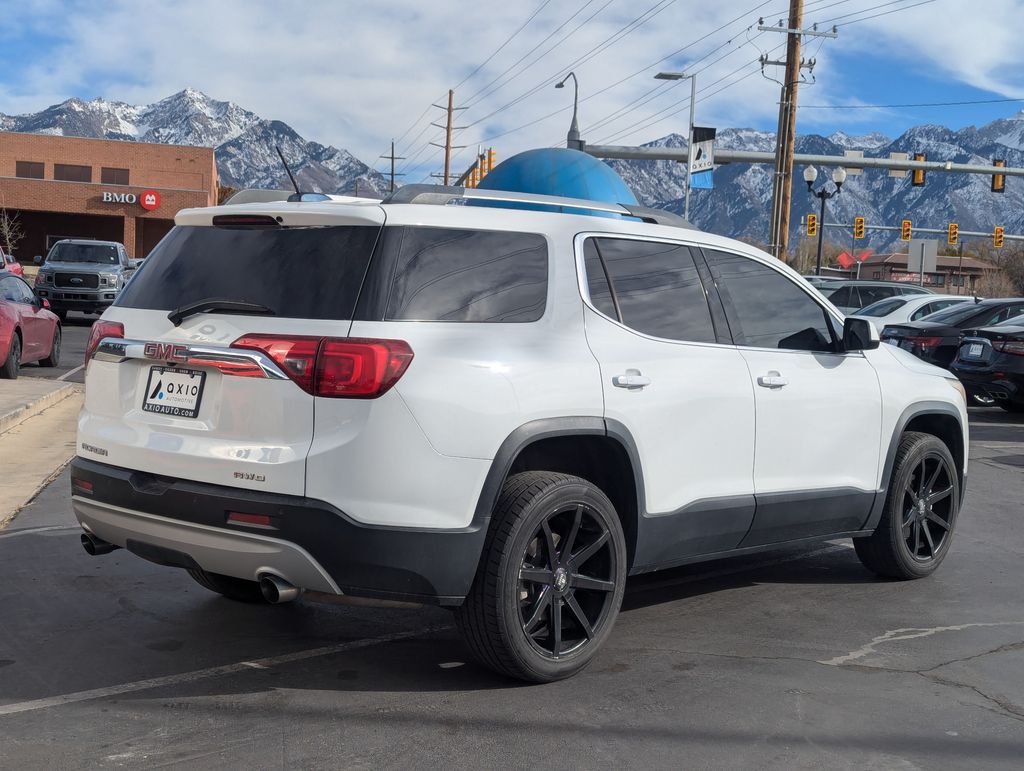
356 74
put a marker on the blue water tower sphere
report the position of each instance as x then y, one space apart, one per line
561 172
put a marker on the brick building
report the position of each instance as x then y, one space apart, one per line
70 187
952 275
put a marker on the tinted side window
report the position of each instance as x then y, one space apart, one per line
597 282
22 291
870 294
8 289
657 287
442 274
766 309
841 297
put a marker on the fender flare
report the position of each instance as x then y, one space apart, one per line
915 410
546 428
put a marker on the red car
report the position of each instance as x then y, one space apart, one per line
9 263
28 331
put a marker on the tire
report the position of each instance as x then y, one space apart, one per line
916 528
237 589
62 315
524 584
53 360
11 365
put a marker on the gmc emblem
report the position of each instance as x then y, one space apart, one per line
166 351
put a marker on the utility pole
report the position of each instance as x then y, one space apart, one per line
785 137
448 128
394 158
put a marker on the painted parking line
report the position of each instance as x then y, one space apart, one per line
71 372
210 672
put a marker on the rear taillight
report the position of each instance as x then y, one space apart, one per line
1016 347
353 368
358 368
925 342
100 330
295 354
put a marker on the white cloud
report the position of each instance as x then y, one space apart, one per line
354 74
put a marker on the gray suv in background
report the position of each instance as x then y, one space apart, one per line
83 275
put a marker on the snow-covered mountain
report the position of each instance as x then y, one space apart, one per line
738 206
243 141
740 202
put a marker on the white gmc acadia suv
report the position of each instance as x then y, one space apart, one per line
505 407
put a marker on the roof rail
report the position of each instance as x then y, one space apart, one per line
440 195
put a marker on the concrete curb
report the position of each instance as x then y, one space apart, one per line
34 406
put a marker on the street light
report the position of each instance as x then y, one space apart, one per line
572 139
838 178
689 135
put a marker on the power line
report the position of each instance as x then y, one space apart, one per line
684 102
623 32
470 75
508 40
873 8
885 13
472 98
548 37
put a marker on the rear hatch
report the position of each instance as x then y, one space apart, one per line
204 367
981 348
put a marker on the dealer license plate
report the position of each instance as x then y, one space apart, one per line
974 350
174 391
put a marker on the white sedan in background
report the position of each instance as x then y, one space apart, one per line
898 310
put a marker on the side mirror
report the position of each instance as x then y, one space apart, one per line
859 335
133 264
38 259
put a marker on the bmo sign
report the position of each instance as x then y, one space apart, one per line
147 199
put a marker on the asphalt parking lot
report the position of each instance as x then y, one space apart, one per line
791 659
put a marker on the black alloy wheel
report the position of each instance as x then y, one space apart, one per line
550 580
567 581
928 507
916 525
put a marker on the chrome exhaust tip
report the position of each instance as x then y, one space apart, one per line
94 546
277 590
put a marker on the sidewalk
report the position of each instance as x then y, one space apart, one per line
38 421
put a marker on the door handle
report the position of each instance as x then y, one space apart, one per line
632 379
772 380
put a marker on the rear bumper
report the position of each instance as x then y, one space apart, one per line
311 544
1007 388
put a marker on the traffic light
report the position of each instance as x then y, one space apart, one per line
905 230
952 233
812 225
917 175
858 227
490 160
997 237
999 180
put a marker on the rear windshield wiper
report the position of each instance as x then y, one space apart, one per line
218 304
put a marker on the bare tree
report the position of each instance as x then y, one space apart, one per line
10 231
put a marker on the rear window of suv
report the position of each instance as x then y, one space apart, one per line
308 273
415 273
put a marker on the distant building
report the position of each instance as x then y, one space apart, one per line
950 276
70 187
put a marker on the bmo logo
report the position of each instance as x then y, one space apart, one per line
109 197
147 199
